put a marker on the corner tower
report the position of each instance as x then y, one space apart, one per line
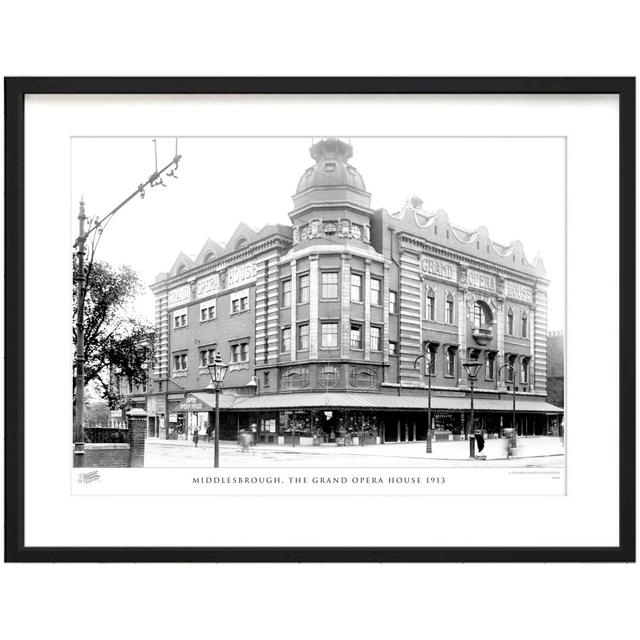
331 201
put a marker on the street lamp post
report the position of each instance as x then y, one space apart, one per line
472 369
513 419
217 377
427 357
97 225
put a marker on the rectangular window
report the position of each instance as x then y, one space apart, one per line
450 363
510 370
240 352
329 285
431 305
286 340
432 361
329 335
303 289
356 336
240 301
449 310
524 371
356 287
303 337
179 319
393 348
286 293
180 362
376 290
207 356
393 302
524 325
489 371
376 339
208 311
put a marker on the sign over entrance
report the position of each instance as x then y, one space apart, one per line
194 403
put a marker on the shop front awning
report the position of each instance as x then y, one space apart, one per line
380 401
205 401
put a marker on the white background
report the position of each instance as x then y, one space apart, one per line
400 601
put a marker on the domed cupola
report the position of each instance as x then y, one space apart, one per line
332 179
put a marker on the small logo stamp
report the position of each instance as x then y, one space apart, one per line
90 476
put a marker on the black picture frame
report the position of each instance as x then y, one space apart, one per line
16 89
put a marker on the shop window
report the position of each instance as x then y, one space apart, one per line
449 309
393 302
208 311
286 293
376 290
303 288
356 336
356 287
329 285
268 425
329 335
286 340
431 304
303 337
376 339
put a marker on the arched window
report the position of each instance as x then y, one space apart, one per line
241 242
211 255
450 364
524 324
431 304
449 309
524 371
433 353
182 267
481 315
510 321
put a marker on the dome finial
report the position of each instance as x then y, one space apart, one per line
331 148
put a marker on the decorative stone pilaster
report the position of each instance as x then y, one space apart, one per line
345 306
314 300
294 303
367 310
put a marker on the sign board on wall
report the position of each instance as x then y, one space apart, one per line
518 291
479 280
439 268
234 276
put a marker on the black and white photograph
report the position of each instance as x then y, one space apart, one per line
319 301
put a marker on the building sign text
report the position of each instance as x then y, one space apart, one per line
439 268
179 296
518 291
480 280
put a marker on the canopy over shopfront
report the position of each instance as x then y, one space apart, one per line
205 402
381 402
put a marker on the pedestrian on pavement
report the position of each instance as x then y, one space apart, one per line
196 435
209 433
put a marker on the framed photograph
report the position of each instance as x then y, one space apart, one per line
320 319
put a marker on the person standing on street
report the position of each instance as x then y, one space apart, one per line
196 435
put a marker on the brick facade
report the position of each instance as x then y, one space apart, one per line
458 294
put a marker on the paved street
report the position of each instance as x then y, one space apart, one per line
541 451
